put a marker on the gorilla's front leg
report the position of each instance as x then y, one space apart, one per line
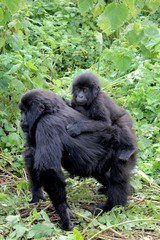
54 185
36 189
35 184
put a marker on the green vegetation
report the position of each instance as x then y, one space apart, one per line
44 44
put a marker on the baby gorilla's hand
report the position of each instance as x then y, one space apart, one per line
73 129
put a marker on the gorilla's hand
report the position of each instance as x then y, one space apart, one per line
74 129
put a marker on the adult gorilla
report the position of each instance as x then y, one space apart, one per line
44 118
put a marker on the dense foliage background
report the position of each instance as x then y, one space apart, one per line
45 44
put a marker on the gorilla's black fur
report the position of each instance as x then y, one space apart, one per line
44 118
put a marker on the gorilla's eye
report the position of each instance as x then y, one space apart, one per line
23 110
76 90
86 89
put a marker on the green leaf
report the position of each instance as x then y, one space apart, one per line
2 42
144 176
131 6
40 230
18 85
136 183
85 6
117 14
113 17
45 216
77 235
122 62
144 143
98 8
34 212
14 69
13 139
1 15
13 219
104 24
13 6
153 5
31 65
132 37
22 185
139 114
20 230
99 38
15 41
3 196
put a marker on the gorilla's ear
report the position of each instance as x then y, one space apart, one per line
96 90
37 108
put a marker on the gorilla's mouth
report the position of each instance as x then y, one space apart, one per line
81 102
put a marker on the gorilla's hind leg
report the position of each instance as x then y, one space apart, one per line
104 180
118 190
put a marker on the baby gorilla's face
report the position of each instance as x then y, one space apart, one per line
85 88
81 95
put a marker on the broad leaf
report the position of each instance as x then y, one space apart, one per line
113 17
84 5
77 235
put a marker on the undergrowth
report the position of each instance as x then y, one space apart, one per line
45 44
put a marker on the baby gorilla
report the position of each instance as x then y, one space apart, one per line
96 105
